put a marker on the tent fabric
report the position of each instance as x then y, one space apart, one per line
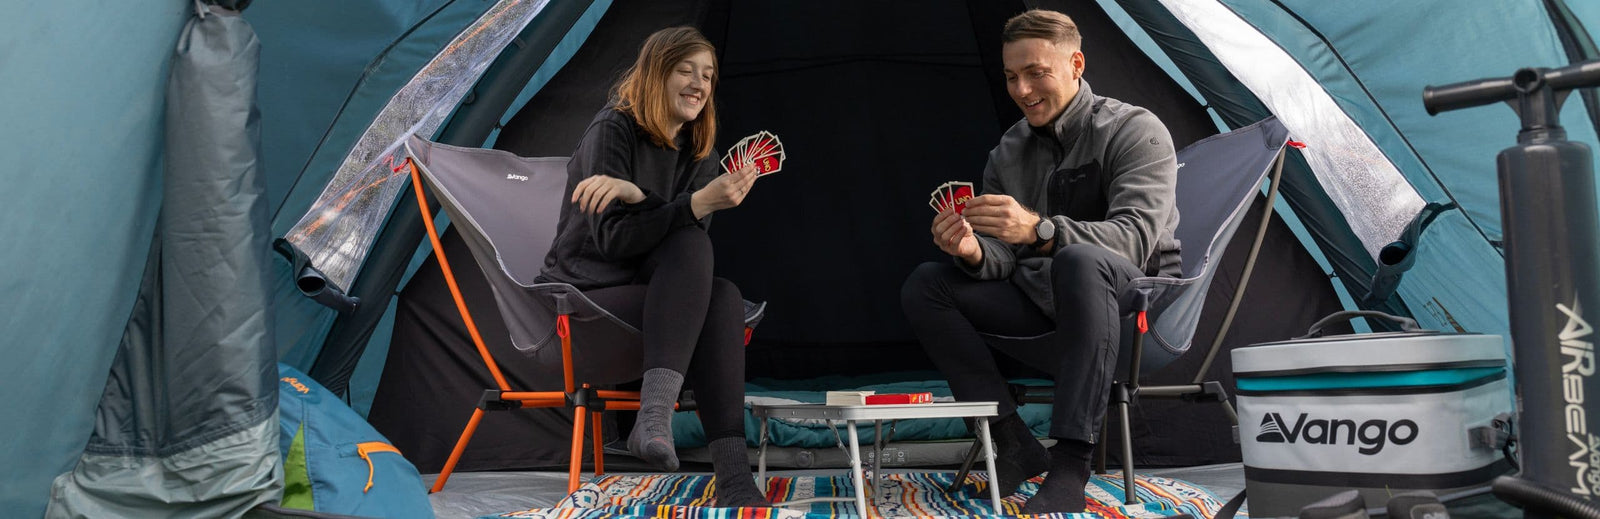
1327 232
570 42
1467 300
1454 153
179 430
1457 284
1351 168
202 482
80 221
327 70
1459 277
337 230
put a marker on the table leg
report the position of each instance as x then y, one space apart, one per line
761 459
855 470
877 462
988 455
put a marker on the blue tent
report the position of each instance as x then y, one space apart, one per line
84 90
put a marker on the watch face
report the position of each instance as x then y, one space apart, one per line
1045 230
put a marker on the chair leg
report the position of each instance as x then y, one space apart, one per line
573 468
455 454
966 467
1128 495
599 449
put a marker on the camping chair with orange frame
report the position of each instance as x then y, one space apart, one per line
506 207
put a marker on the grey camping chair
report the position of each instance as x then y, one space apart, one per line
506 207
1218 177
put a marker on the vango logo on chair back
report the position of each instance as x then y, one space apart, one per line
1372 435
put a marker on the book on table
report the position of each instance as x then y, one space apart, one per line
872 398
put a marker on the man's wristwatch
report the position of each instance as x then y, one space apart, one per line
1043 232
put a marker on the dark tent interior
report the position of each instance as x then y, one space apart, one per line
876 103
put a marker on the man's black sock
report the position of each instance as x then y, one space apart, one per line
1062 490
735 486
651 439
1018 455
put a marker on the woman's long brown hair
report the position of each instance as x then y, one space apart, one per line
641 92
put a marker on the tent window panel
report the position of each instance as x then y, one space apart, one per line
338 230
1361 181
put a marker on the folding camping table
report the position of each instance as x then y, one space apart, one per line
850 414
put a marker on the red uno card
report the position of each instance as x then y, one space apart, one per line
767 164
960 194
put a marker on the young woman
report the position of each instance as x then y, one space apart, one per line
643 185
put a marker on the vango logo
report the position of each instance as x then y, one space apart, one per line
516 177
1373 435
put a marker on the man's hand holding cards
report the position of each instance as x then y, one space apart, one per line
763 151
951 233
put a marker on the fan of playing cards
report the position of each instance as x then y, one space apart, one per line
762 150
951 196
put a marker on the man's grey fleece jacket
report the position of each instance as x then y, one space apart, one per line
1104 172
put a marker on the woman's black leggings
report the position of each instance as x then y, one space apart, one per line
693 324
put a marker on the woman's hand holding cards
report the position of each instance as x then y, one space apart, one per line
724 192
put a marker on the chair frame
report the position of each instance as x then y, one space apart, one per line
583 400
1125 393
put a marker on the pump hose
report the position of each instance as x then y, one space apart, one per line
1532 495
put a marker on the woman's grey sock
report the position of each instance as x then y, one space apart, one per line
651 439
735 486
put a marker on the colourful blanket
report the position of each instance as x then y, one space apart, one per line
902 495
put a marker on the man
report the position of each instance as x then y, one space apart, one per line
1078 200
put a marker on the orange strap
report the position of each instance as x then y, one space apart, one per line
370 447
564 329
1144 325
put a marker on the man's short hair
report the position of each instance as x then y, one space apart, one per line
1050 26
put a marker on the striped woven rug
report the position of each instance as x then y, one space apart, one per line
902 495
